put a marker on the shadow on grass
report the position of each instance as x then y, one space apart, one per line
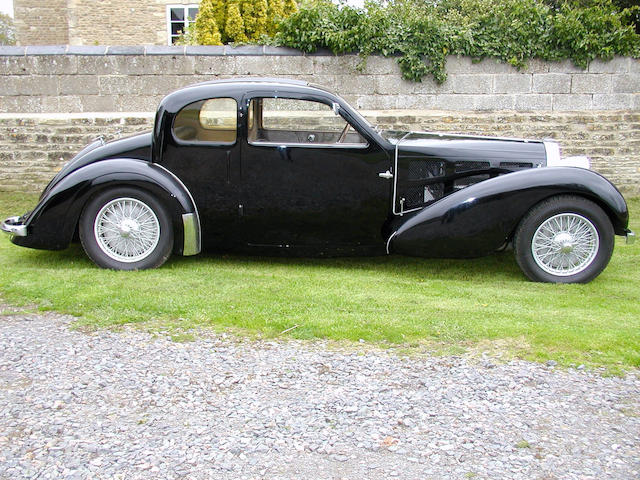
500 267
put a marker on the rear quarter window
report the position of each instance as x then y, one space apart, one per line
207 121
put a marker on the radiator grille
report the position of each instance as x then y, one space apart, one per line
467 166
424 169
516 165
418 196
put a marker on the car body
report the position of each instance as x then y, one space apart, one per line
283 166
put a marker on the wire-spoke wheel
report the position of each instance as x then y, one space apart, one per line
564 239
126 229
565 244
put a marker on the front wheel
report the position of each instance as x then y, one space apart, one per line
126 229
564 239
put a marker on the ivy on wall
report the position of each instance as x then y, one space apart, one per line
422 33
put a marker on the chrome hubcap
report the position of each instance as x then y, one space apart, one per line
127 230
565 244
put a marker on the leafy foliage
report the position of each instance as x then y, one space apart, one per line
422 33
207 30
7 31
239 21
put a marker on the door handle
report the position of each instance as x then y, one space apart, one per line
386 174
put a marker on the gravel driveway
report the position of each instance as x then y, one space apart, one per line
128 405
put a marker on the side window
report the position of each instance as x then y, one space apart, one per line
209 121
302 122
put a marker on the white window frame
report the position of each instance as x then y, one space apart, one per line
185 8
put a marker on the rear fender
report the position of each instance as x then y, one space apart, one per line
52 224
481 218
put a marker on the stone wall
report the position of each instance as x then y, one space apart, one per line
88 79
56 99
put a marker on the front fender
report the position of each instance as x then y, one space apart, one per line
481 218
52 224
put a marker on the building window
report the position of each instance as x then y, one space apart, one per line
179 17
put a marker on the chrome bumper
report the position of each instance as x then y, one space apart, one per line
630 236
12 226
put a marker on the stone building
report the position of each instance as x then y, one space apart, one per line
103 22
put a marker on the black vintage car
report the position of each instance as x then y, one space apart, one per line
272 165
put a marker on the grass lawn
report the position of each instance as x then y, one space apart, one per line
437 305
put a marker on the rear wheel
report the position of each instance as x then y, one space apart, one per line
126 229
564 239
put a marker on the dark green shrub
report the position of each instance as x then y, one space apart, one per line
422 33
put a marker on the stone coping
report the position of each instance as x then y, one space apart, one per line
207 50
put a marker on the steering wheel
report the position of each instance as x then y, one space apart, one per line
343 134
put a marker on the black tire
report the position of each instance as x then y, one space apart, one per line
126 229
564 239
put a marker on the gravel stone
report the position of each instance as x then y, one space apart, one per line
130 405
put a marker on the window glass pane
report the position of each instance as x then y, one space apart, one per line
213 120
281 113
177 28
292 121
193 12
177 14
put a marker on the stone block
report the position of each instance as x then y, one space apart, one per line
491 65
565 66
46 50
551 83
533 102
379 65
465 83
121 85
281 51
244 50
53 64
393 85
68 103
9 85
15 66
494 102
616 65
209 50
78 85
126 50
634 65
129 103
86 50
174 50
572 102
626 83
535 65
590 83
416 102
285 66
376 102
332 65
512 83
169 65
215 65
11 50
357 84
97 65
130 64
455 102
614 101
97 103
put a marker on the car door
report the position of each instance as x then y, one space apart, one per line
310 178
203 151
